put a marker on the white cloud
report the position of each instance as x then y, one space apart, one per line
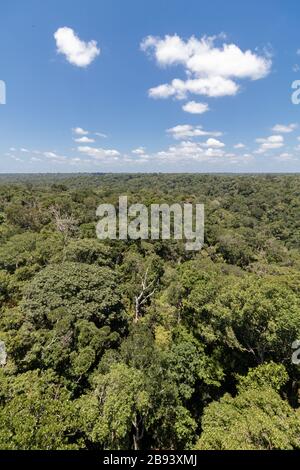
270 143
80 131
100 134
202 57
187 130
98 153
214 143
212 70
139 151
84 140
284 129
285 157
54 156
187 151
40 155
214 152
195 108
49 154
239 146
209 86
162 91
76 51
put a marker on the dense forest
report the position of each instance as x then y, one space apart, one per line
141 344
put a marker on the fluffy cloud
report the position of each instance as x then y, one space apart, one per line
239 146
98 153
84 133
76 51
84 140
195 108
139 151
187 131
183 152
270 143
209 86
187 151
54 157
214 143
284 129
80 131
211 70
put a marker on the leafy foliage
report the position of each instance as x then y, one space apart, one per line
142 344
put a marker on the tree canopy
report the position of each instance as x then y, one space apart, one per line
140 344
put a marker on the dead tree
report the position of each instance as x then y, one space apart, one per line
138 434
65 224
146 292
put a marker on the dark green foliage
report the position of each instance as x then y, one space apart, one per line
37 412
70 313
256 419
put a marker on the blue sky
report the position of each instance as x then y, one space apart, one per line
140 85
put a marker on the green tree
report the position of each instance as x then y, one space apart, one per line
256 419
69 314
36 412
